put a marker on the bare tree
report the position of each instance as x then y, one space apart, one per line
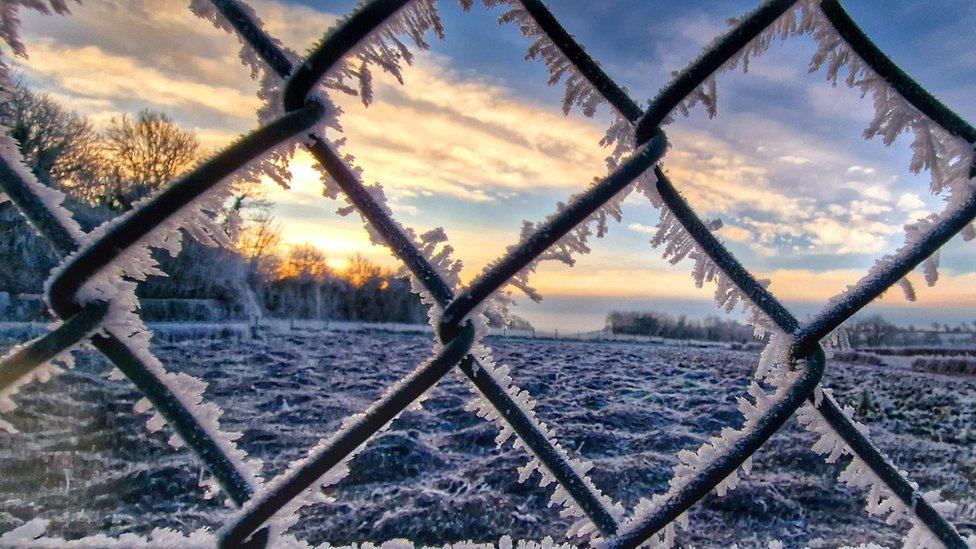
58 145
871 331
305 261
257 237
142 155
129 160
361 271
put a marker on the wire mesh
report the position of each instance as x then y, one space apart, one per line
85 256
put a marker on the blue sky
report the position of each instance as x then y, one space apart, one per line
475 141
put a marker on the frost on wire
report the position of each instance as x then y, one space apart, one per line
415 20
947 157
944 155
123 321
51 198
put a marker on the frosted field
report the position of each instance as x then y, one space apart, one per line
86 462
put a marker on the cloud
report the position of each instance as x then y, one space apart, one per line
714 174
796 160
90 79
865 237
641 228
815 286
909 202
463 136
794 205
553 280
877 192
115 56
818 285
915 215
736 233
446 132
866 208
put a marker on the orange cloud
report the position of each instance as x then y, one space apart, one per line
89 77
465 137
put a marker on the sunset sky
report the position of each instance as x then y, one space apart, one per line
475 140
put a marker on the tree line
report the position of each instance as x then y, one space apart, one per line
111 167
862 332
876 331
656 324
104 171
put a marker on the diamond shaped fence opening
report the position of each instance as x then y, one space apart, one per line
92 290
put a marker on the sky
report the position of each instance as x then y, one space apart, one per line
475 141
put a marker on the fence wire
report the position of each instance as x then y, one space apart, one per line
85 257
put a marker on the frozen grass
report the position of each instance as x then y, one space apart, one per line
83 460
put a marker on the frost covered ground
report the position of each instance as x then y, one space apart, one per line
86 462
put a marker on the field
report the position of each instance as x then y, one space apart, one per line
86 462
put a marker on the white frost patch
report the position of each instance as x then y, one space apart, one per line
31 534
881 501
480 405
692 464
189 390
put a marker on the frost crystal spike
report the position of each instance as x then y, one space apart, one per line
93 290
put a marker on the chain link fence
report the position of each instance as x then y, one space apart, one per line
87 256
